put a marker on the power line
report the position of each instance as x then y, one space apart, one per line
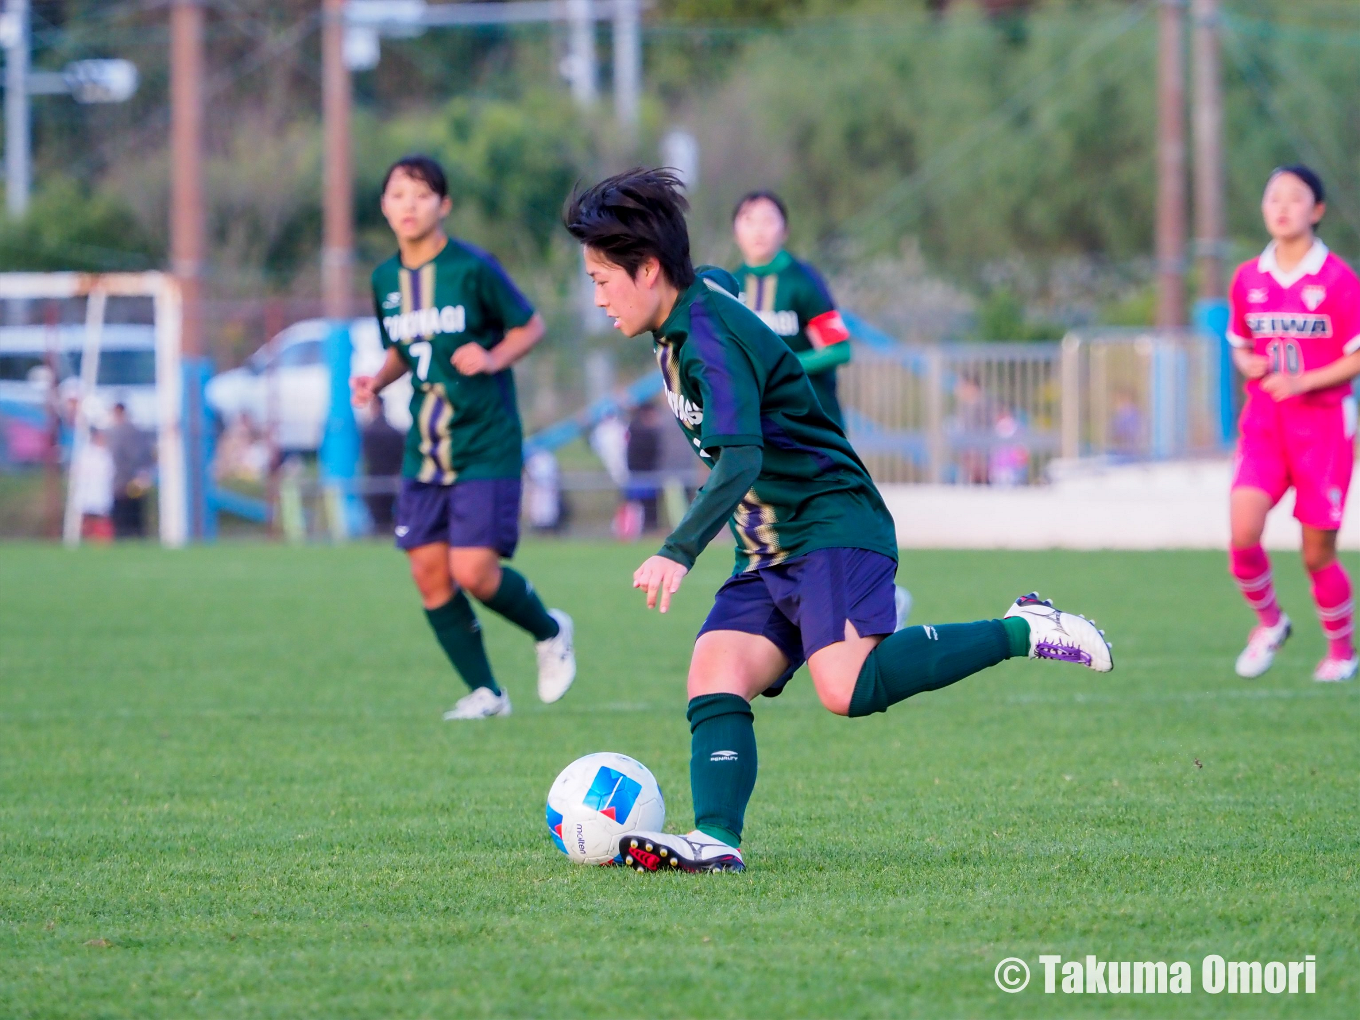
157 121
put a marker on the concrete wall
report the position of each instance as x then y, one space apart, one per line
1175 505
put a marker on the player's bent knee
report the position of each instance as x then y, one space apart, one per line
723 683
834 690
836 699
432 580
480 583
1318 559
434 591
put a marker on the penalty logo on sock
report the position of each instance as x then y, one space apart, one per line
612 794
723 756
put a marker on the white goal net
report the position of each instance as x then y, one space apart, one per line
85 341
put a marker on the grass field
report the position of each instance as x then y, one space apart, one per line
225 790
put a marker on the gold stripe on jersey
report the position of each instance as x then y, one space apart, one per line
444 451
427 285
407 292
670 367
755 520
436 445
436 411
407 281
758 294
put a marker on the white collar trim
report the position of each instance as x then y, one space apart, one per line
1309 265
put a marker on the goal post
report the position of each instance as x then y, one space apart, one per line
96 289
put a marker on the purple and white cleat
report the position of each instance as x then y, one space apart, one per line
1065 637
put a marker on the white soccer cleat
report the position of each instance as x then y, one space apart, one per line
480 703
1065 637
556 660
1262 644
1335 671
663 851
902 603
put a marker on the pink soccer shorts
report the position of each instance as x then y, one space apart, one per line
1308 446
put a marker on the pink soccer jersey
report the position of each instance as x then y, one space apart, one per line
1302 320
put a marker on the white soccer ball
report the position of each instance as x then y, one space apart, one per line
596 800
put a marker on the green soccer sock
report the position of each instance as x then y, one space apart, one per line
920 659
722 763
517 601
460 635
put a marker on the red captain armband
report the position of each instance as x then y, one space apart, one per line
827 329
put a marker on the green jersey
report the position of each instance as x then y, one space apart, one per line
462 426
793 300
732 382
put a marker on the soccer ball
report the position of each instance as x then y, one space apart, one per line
596 800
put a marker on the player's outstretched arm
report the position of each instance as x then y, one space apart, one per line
364 388
827 357
474 359
1250 364
1282 385
734 473
827 333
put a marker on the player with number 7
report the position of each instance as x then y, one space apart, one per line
448 314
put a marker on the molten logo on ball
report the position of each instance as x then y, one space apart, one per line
596 800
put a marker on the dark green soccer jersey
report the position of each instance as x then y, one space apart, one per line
462 427
733 382
788 295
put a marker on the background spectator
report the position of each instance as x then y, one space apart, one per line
242 454
133 457
543 492
644 457
92 475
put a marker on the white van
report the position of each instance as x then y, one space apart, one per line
288 380
127 368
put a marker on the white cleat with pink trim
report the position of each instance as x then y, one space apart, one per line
1262 644
1335 671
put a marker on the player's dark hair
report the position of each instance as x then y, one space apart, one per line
1305 174
757 196
421 168
632 216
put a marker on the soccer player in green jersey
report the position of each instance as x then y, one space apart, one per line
450 315
816 547
793 300
789 295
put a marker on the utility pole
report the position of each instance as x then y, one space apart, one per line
337 246
1208 135
18 171
1211 310
187 226
186 161
581 19
1171 212
627 64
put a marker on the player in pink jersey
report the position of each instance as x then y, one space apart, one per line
1294 323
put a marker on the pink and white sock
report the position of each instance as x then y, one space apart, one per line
1251 569
1332 593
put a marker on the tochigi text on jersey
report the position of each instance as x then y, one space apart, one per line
686 410
783 323
426 322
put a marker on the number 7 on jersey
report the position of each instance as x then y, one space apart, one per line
421 351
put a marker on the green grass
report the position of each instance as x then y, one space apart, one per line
225 790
